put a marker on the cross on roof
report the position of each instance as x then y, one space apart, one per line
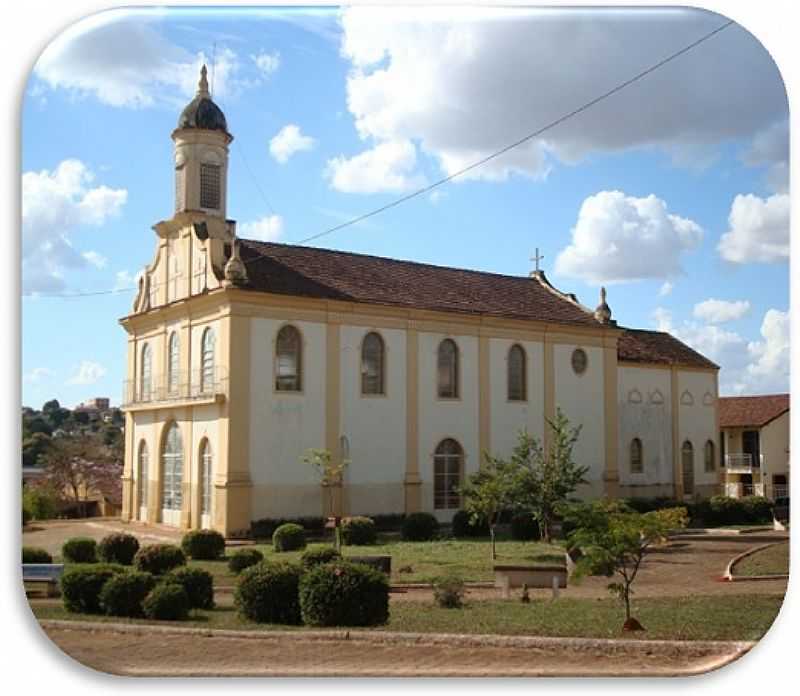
538 257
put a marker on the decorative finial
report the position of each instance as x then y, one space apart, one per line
202 86
537 272
603 311
235 272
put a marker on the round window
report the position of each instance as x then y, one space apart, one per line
579 361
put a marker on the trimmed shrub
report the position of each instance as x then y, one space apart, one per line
358 531
244 558
158 558
198 583
420 526
524 527
79 550
167 601
203 544
314 557
289 537
81 586
123 594
268 593
27 515
265 528
344 594
391 522
651 504
462 525
118 548
33 554
448 591
757 510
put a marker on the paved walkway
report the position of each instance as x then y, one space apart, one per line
52 534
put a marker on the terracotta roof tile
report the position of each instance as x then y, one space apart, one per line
639 345
751 411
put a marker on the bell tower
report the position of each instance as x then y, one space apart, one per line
201 155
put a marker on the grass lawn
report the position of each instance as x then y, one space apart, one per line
773 560
686 618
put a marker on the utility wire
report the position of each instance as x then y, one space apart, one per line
440 182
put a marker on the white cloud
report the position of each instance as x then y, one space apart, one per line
759 230
97 260
123 280
288 141
768 370
770 149
464 87
38 375
266 229
665 289
53 205
388 166
619 238
715 311
88 372
267 63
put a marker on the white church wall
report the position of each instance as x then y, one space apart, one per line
697 422
374 425
446 418
284 425
644 410
509 417
581 398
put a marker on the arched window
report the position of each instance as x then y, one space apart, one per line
448 461
637 463
146 373
708 455
206 474
288 360
173 362
207 361
372 354
447 364
141 474
687 467
516 373
172 472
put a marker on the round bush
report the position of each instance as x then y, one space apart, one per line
33 554
79 550
198 583
315 557
118 548
167 602
203 545
462 525
448 591
81 586
123 594
420 526
289 537
524 527
359 531
344 594
244 558
268 593
158 558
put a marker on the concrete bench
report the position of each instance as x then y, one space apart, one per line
42 575
541 576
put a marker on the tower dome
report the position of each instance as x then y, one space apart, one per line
202 112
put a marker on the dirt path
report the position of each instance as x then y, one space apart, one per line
206 655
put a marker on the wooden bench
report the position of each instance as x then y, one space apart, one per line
541 576
42 575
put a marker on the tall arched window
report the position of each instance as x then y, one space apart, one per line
687 467
171 474
708 454
206 474
207 361
637 462
447 372
288 360
448 462
372 359
146 373
173 362
141 474
516 373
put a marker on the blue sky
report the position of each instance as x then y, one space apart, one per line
673 193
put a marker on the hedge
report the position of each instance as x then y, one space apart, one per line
268 593
33 554
159 558
265 528
79 550
203 544
81 586
167 602
420 526
525 527
289 537
314 557
118 548
717 511
358 531
244 558
123 594
462 525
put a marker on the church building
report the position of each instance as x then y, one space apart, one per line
243 355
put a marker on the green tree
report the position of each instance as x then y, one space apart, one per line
35 447
613 540
37 424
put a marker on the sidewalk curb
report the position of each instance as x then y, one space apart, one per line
730 577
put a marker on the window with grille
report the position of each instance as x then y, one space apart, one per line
447 363
637 464
206 463
173 363
447 465
372 353
516 374
172 470
210 181
207 361
288 360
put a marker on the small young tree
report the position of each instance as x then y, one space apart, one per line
330 473
613 540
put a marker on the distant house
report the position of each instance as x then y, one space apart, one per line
754 443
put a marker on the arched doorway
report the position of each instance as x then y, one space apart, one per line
172 476
687 467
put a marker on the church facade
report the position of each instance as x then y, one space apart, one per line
243 355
